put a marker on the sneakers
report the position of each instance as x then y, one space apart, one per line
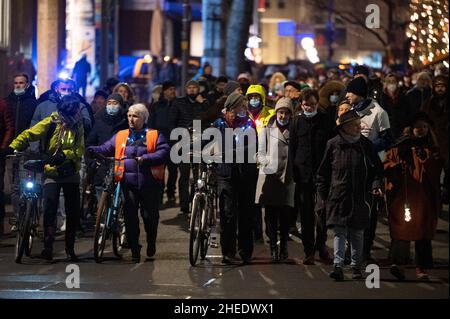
337 273
71 256
274 253
421 274
229 260
309 260
398 272
47 254
356 273
136 254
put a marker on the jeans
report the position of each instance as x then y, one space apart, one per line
356 239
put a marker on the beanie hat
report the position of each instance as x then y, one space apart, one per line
294 84
192 82
230 87
361 69
233 101
441 79
358 86
284 103
167 84
116 97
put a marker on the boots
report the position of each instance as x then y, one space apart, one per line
283 249
274 252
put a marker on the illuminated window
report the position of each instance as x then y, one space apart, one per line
4 23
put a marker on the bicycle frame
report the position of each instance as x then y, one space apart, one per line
112 211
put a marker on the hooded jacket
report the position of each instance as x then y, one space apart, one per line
69 140
266 112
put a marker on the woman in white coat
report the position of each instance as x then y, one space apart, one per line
275 188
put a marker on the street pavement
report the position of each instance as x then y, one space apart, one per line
169 274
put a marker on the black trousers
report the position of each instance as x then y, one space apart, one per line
277 218
257 231
147 200
400 253
314 235
184 186
237 216
171 186
72 207
369 233
2 187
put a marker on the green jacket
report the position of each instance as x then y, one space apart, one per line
71 142
266 111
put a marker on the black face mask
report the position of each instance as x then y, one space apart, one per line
193 96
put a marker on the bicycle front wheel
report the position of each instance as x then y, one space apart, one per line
101 231
118 238
195 228
24 231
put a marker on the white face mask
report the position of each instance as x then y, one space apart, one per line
283 122
112 109
19 91
391 88
309 114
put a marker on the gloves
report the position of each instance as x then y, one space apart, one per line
6 151
56 159
90 153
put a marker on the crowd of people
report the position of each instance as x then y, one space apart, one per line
345 147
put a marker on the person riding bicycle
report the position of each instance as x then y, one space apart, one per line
63 136
140 157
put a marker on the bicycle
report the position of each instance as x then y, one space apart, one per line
28 216
203 215
110 220
88 202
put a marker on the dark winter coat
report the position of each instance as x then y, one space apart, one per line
135 175
246 171
397 108
347 173
159 116
417 99
22 107
6 125
104 128
183 112
308 138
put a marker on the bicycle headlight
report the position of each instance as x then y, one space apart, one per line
200 183
29 185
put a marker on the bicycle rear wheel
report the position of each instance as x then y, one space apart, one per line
101 231
206 229
23 233
195 228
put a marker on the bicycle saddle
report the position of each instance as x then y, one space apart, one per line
36 166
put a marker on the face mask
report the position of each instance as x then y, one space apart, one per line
61 95
309 114
193 96
334 99
283 122
112 109
242 114
392 88
255 103
19 91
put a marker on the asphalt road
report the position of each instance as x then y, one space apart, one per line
169 274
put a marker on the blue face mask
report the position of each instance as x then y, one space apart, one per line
334 99
241 115
310 114
19 91
112 109
255 103
283 122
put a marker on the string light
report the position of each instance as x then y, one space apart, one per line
428 29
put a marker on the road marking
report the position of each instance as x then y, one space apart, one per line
136 267
269 281
209 282
188 297
213 256
426 286
241 274
310 275
389 284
